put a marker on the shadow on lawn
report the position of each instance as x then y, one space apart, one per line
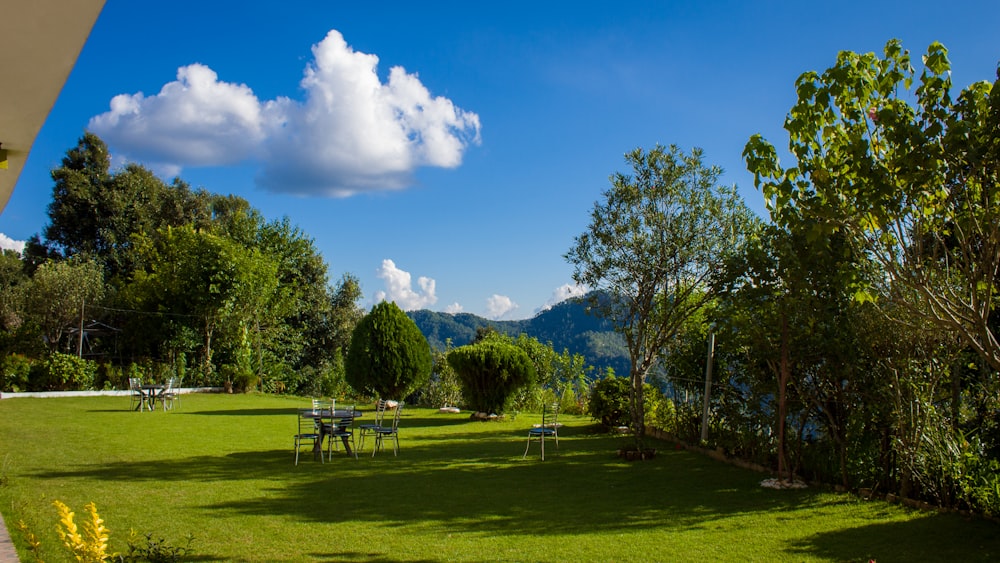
913 540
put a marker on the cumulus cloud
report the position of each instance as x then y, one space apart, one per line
399 288
562 293
7 243
499 305
351 132
453 309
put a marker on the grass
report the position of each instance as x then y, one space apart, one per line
221 468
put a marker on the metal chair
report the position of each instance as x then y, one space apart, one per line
549 428
369 427
169 394
136 396
313 438
383 432
341 428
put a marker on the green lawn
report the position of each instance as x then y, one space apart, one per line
221 468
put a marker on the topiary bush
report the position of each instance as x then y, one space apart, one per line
388 357
489 372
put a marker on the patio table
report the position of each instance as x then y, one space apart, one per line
150 392
318 415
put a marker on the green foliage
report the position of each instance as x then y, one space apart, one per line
388 356
490 371
444 387
609 402
15 370
57 293
651 248
154 551
907 174
63 372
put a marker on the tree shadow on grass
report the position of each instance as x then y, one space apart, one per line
918 539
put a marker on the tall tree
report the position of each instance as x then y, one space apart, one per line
651 248
912 175
219 286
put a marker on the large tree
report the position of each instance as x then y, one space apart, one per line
650 250
96 212
910 174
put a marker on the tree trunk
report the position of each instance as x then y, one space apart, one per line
637 405
783 375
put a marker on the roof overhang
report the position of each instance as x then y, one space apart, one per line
41 40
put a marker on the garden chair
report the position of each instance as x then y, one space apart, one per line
369 427
383 432
169 394
341 428
549 428
308 435
136 396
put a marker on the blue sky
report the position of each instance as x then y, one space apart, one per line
448 153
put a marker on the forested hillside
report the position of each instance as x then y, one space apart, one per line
567 326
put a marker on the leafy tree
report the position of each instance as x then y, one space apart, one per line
96 213
216 285
490 371
651 248
11 277
389 356
915 183
57 294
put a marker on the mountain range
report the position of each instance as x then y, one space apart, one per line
568 325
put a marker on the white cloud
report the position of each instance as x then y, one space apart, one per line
7 243
194 121
453 309
562 293
499 305
399 288
350 134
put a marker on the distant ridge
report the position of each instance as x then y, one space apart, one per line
567 325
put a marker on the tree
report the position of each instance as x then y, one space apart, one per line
490 371
96 213
57 294
916 184
651 248
389 356
216 286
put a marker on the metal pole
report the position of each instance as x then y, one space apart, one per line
79 345
708 386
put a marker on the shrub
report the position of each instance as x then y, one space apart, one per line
609 403
444 388
489 372
389 357
63 372
15 371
